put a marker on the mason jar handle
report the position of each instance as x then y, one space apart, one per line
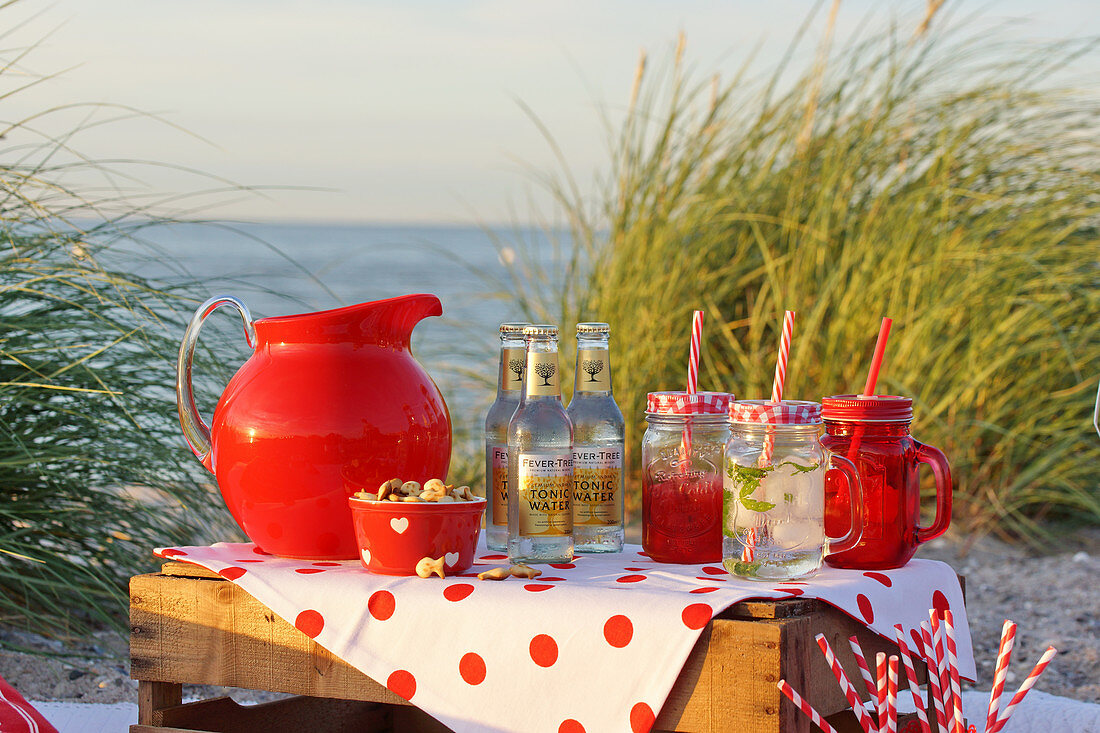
855 500
195 429
937 461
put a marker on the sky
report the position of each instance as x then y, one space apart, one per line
370 111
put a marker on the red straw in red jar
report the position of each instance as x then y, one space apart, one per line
872 380
692 385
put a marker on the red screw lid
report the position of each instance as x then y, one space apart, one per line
682 403
867 408
765 412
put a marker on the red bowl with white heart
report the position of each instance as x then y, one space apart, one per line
394 536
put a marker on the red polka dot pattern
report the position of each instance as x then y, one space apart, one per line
792 591
939 602
641 718
249 560
493 557
327 564
258 551
309 571
711 579
884 579
232 573
697 615
545 579
173 553
381 604
457 592
618 630
472 668
310 623
704 589
402 684
563 565
865 608
630 579
635 570
711 570
544 650
536 587
570 726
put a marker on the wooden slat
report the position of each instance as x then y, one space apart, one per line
213 633
153 696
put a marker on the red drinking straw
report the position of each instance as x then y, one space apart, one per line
864 672
880 679
1004 655
1024 688
846 686
953 668
876 360
911 677
777 383
932 669
692 384
892 696
805 707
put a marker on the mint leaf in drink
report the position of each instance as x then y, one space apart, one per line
747 480
757 506
799 469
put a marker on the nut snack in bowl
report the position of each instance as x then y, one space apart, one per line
403 523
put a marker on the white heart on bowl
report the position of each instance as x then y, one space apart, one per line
366 556
399 524
451 558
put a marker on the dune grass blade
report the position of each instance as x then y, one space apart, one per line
943 180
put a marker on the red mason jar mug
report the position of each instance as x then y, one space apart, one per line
873 432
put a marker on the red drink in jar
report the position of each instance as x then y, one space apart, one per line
681 518
873 432
682 455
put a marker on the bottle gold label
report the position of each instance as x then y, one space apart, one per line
512 362
544 494
543 379
498 464
597 485
593 371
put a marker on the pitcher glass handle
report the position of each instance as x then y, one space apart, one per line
195 429
855 500
937 461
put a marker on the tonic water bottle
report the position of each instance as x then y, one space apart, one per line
598 438
513 358
540 459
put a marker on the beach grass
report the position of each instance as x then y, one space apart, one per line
940 177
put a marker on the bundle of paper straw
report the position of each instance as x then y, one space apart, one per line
937 649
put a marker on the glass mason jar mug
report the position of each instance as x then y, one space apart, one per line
773 510
681 476
873 431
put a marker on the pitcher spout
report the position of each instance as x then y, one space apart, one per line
391 322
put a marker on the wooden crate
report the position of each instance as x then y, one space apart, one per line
188 625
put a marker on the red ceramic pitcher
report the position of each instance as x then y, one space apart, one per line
873 432
329 403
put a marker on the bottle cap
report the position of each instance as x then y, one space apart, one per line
541 329
594 327
682 403
867 408
510 329
766 412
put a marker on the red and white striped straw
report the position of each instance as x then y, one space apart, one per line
846 686
892 696
781 362
911 678
949 702
953 668
864 672
880 680
1004 656
692 385
693 353
777 383
747 551
932 668
805 707
1032 678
